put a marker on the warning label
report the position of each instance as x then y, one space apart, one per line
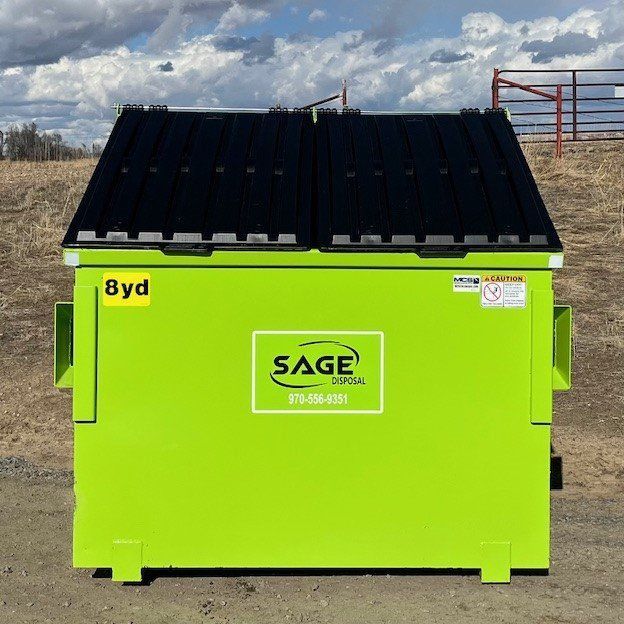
503 291
466 283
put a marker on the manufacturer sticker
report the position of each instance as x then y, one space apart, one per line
126 289
317 372
503 291
466 283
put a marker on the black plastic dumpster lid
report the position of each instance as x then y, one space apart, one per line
281 180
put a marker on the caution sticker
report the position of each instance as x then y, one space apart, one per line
503 291
126 289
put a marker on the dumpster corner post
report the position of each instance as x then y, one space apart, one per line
127 561
495 562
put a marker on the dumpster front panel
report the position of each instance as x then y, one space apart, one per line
449 468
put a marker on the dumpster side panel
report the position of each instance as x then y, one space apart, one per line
178 468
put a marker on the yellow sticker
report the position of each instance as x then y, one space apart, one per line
504 278
126 289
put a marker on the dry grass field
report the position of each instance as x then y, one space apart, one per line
585 194
36 202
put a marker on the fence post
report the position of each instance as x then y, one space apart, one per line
574 111
495 88
559 148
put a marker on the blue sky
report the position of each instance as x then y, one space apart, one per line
427 19
65 65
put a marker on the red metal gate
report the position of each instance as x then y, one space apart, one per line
574 104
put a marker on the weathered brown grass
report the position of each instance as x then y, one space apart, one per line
584 192
37 201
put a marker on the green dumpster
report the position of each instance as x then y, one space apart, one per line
303 342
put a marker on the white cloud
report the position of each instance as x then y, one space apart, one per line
72 95
172 28
238 15
32 36
317 15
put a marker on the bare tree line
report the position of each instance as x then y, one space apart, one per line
26 142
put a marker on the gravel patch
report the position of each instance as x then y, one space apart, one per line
19 468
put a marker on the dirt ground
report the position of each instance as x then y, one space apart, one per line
38 585
585 194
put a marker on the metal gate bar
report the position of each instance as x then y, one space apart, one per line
572 120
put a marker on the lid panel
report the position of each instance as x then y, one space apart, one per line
266 170
463 172
292 149
224 215
165 171
400 194
531 206
118 215
97 200
439 216
198 178
499 204
277 180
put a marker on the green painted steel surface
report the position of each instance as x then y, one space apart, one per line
63 323
562 372
174 468
314 257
